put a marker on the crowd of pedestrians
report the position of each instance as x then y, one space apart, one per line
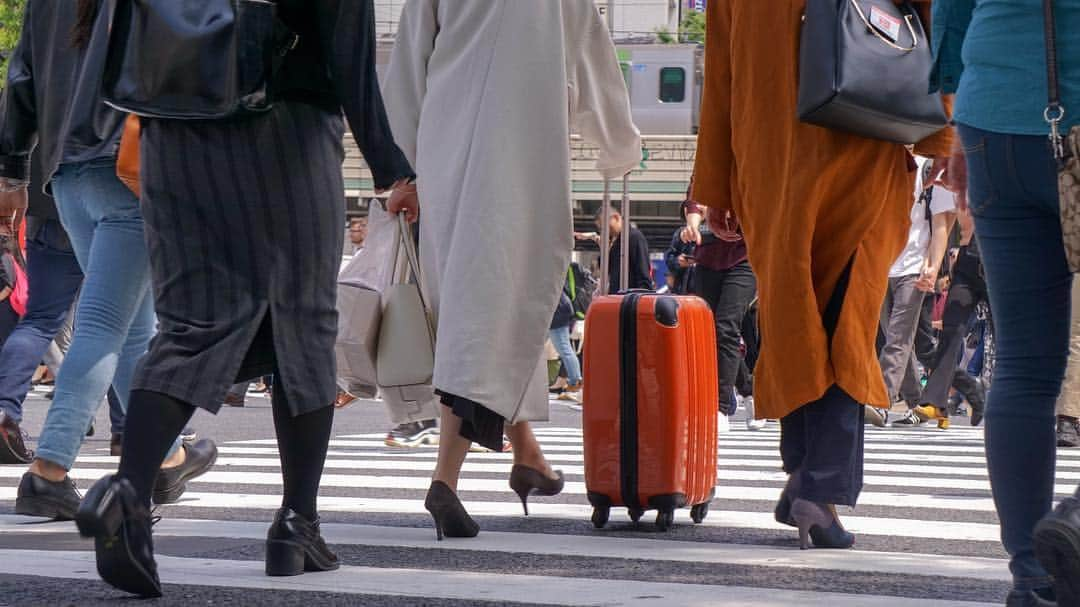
852 280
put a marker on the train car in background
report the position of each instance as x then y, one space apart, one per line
665 82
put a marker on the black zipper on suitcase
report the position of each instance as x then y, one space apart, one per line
628 427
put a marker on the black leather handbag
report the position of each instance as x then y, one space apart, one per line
864 67
195 59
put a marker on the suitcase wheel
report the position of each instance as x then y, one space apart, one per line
635 514
699 512
665 519
600 517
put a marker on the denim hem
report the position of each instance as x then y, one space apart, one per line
64 460
13 412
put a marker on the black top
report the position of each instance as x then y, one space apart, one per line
333 66
640 274
42 205
54 90
53 93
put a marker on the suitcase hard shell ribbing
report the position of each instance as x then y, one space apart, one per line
650 404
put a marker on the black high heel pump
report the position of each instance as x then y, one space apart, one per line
818 522
526 481
451 519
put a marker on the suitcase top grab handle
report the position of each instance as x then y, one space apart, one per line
624 240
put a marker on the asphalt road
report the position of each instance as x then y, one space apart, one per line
927 533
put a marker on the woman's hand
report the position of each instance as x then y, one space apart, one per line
928 278
404 200
692 232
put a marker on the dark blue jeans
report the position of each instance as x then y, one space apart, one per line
1014 199
54 278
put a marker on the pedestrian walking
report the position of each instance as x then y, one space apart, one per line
967 288
1009 173
679 259
559 334
1068 405
358 228
550 68
825 214
53 277
53 81
912 276
640 268
724 279
241 293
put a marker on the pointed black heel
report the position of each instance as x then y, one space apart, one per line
451 519
123 545
819 523
526 481
295 544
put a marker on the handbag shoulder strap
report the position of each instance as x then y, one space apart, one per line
1054 112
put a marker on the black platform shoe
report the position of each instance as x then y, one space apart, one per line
818 522
112 515
451 519
526 481
295 545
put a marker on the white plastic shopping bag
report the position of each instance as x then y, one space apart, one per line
360 287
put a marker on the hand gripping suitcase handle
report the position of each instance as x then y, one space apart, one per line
605 238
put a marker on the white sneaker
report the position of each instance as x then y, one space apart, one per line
751 423
723 424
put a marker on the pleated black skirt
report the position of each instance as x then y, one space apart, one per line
244 225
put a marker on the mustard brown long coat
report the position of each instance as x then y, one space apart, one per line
810 200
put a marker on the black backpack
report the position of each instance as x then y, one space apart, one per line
195 59
580 286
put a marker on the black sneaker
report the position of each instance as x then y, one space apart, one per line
40 497
172 482
188 435
1057 546
1068 432
414 434
13 449
911 420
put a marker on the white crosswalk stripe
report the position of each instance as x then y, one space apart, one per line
373 498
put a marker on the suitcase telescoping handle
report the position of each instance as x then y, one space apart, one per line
624 240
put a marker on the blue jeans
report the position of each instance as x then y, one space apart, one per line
1014 199
560 338
54 278
114 320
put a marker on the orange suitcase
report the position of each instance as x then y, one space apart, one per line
650 404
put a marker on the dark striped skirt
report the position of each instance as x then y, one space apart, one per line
244 226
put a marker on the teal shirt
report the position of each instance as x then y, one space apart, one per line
992 54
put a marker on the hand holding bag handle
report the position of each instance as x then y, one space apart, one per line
406 354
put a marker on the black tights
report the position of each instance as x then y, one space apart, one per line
154 420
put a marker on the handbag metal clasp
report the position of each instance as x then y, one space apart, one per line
907 19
